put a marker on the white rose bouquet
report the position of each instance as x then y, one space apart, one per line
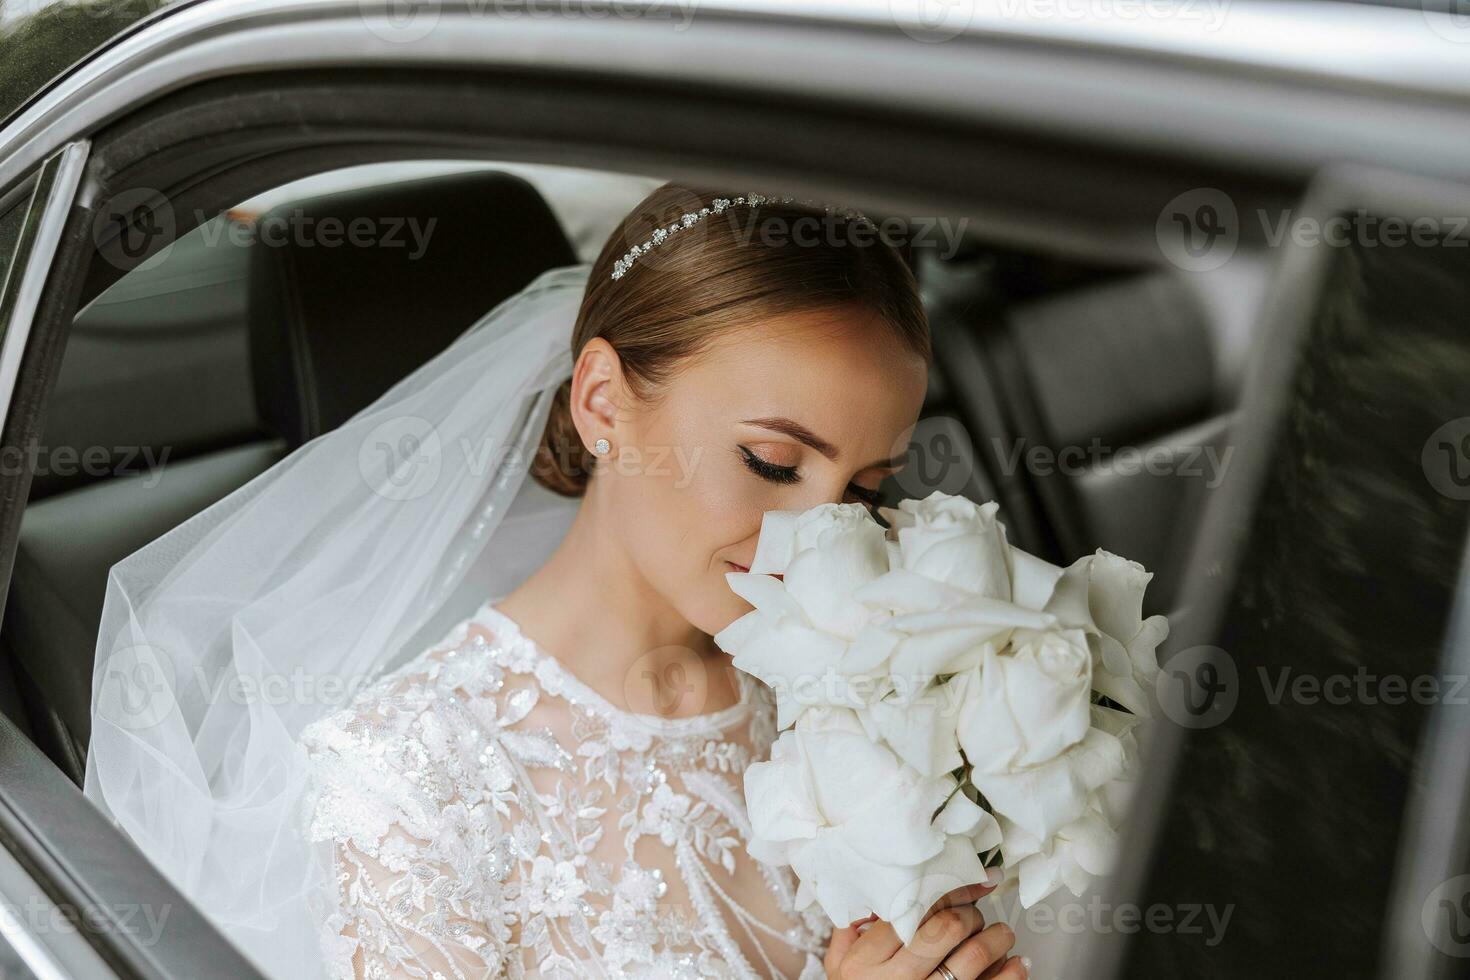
947 703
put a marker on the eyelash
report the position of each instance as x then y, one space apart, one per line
787 475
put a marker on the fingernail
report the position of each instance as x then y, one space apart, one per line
993 876
1026 964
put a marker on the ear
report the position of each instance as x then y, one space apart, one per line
599 391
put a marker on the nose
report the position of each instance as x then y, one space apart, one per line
825 490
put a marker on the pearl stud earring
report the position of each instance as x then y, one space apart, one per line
601 447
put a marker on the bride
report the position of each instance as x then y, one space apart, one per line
551 784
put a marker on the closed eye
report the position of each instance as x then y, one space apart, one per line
767 470
787 475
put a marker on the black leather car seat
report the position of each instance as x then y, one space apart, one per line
1122 389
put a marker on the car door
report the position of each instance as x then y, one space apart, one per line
1012 128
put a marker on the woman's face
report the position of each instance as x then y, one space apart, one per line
806 409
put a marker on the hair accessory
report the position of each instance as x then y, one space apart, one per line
717 206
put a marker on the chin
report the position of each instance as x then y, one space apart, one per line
717 608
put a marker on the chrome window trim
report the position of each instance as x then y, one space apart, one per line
23 203
56 189
13 930
51 954
1434 845
1152 84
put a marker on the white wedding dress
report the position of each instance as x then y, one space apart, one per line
491 815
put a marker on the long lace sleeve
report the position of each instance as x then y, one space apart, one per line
420 858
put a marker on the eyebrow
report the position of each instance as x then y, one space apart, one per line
802 434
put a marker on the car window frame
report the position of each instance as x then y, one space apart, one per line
54 189
1435 826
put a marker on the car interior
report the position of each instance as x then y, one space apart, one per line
199 369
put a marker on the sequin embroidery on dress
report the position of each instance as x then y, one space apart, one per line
489 815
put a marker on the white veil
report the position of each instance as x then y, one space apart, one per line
223 638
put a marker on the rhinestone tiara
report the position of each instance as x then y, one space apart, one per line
717 206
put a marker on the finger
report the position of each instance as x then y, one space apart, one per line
977 954
969 894
875 945
837 948
1012 968
966 895
936 938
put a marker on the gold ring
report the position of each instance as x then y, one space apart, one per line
946 972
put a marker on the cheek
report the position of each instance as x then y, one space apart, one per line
680 519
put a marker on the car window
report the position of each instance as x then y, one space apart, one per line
11 220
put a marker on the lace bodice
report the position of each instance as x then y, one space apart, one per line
489 815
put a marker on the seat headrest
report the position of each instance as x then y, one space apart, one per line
1128 359
351 291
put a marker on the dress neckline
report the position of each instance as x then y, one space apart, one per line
508 632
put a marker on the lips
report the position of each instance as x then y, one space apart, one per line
735 566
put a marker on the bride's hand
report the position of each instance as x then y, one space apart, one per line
954 935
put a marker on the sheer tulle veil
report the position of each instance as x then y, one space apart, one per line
226 636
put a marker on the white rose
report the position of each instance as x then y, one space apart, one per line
955 541
858 826
1029 702
808 637
823 556
1086 847
951 590
1102 594
803 665
1044 798
921 725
